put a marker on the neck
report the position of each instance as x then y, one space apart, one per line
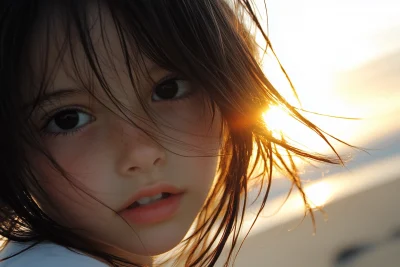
137 259
133 258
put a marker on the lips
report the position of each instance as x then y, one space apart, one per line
149 200
149 194
153 204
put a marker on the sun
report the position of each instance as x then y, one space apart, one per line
283 125
277 121
319 194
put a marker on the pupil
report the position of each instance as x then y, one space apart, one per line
167 90
67 119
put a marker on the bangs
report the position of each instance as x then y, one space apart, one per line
91 40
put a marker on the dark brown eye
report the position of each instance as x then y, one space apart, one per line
67 120
171 89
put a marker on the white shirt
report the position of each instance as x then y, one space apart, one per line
45 255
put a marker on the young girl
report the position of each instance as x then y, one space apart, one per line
127 123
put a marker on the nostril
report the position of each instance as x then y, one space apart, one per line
133 169
157 162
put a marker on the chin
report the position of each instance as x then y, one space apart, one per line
156 241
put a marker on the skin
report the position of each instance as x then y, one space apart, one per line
110 159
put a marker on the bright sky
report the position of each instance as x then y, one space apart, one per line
341 55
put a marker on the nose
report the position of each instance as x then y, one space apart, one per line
139 152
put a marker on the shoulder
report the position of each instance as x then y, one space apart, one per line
45 255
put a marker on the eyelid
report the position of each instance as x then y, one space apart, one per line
167 77
176 77
48 116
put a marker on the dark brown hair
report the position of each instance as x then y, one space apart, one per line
208 41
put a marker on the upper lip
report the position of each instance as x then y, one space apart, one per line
152 190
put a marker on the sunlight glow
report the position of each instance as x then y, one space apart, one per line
281 124
325 68
319 194
276 120
315 88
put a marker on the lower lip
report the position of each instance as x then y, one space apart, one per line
156 212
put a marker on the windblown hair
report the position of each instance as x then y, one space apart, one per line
210 42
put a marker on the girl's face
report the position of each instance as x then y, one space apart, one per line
114 162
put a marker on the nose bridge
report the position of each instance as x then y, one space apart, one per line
139 151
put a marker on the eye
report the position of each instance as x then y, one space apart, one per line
171 89
67 121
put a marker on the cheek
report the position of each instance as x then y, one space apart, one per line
66 199
193 130
72 196
200 145
84 156
193 115
197 174
205 177
74 152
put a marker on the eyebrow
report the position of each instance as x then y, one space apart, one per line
49 97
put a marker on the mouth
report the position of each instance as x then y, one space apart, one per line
145 201
153 204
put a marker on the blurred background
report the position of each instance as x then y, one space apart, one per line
343 57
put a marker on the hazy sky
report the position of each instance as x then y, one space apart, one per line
344 57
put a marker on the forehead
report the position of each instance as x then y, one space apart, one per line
63 50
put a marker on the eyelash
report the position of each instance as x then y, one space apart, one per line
44 133
51 116
174 77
